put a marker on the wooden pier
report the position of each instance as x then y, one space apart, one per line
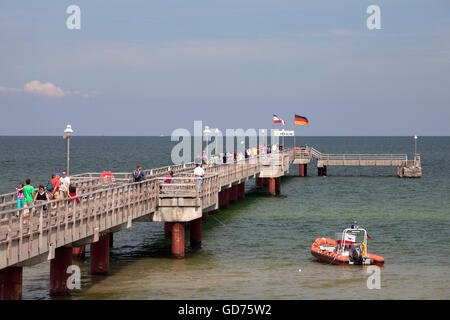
49 231
405 167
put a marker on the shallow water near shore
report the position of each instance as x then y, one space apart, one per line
259 248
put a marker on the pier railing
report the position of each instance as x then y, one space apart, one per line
84 185
40 228
402 157
363 160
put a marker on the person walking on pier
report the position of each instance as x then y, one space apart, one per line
28 192
199 173
73 192
138 174
169 177
41 197
64 183
55 184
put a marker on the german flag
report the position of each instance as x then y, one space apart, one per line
301 120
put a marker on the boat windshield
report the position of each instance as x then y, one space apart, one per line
351 236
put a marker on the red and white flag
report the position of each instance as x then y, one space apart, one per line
277 119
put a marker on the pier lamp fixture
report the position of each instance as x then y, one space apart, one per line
207 132
67 137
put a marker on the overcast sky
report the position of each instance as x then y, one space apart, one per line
149 67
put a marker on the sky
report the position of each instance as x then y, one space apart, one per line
150 67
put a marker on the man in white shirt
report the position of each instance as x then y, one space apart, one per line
199 173
64 183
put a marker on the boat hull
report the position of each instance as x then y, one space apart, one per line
337 259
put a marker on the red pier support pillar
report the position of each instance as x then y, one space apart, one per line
58 271
272 186
241 191
100 255
79 252
223 199
265 181
320 171
11 283
400 171
278 185
233 193
167 228
178 239
259 183
303 168
195 232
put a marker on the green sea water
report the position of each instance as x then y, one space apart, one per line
259 248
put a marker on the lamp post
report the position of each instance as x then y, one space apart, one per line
415 145
68 133
207 132
415 149
217 131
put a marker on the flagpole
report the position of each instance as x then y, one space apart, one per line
294 134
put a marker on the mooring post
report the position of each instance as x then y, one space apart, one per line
178 239
100 255
11 283
58 271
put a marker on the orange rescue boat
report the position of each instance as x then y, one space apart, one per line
350 247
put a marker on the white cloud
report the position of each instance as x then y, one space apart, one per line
46 89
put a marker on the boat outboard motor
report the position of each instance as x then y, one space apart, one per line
356 254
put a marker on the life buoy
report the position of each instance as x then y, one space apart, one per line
107 177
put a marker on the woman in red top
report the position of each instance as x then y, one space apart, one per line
73 192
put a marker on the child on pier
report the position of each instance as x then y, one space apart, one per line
20 196
169 177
